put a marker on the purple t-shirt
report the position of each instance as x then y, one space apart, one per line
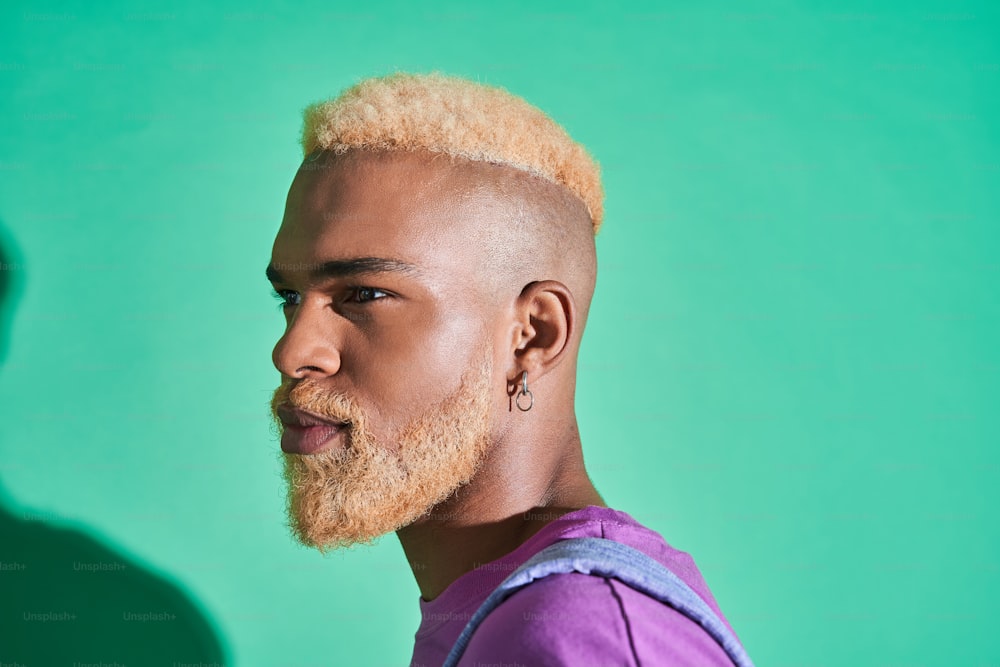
571 619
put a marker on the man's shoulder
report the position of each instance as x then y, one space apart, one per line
581 619
563 618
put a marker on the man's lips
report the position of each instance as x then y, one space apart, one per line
305 432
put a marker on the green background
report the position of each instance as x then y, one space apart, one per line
790 369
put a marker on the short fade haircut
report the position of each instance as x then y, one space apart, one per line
455 116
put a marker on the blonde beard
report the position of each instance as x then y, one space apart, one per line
341 497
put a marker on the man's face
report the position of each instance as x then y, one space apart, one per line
399 352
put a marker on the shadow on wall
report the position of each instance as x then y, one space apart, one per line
65 598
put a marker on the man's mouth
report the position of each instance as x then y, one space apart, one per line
308 433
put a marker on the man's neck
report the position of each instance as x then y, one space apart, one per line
486 520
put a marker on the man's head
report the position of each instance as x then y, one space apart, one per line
437 243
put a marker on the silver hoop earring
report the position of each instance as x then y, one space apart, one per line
524 392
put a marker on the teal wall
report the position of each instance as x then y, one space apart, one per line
791 365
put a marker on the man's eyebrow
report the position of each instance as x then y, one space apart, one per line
341 268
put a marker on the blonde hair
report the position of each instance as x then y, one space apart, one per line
458 117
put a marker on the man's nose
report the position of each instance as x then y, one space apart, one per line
309 347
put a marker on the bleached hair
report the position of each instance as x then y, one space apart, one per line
455 116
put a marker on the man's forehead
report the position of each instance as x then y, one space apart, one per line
392 194
423 175
412 208
361 183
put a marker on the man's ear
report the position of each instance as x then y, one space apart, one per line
544 324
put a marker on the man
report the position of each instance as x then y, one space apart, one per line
435 266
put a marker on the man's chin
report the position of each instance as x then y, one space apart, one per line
349 505
326 528
322 540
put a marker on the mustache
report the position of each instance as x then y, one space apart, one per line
309 396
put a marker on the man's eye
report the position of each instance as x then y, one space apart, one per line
285 298
366 294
